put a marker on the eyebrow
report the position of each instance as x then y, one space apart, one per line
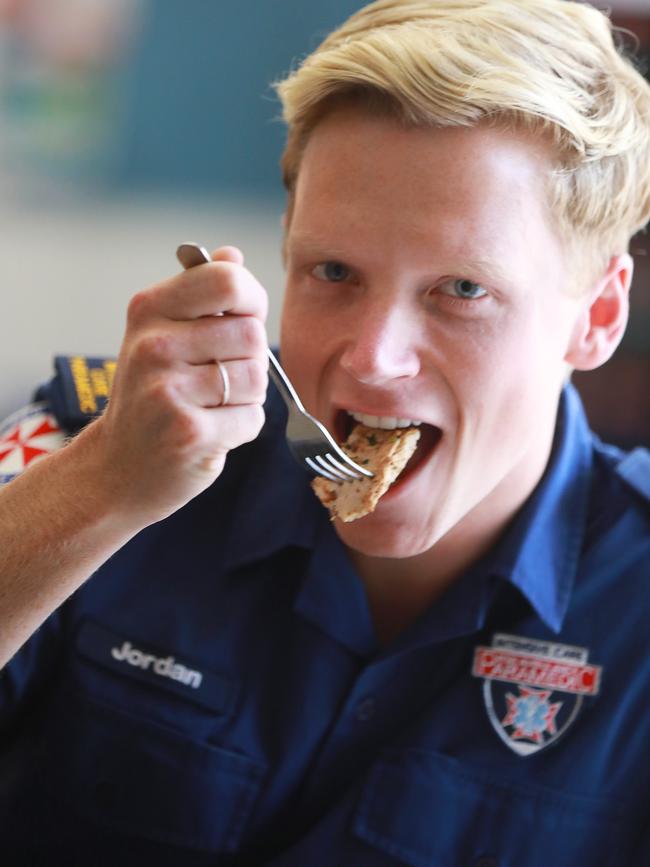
488 267
311 244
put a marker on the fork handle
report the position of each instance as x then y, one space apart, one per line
283 383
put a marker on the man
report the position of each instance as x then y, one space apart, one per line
458 678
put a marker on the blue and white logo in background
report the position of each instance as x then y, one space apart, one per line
26 437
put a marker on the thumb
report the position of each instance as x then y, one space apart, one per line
228 254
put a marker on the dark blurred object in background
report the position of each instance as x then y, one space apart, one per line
617 395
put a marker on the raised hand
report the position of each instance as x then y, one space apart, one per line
166 432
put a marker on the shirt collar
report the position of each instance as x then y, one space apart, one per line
539 553
273 506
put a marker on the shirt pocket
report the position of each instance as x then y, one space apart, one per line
426 809
136 777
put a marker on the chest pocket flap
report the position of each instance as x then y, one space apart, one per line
430 810
140 778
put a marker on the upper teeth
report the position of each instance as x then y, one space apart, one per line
383 421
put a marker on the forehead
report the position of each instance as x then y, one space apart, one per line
363 176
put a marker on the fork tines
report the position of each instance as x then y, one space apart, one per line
332 469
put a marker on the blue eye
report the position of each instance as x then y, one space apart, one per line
461 288
333 272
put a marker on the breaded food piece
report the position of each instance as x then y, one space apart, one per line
385 453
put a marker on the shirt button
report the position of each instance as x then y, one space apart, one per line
365 710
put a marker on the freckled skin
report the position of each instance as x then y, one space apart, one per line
409 213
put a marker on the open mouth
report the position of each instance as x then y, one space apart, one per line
430 436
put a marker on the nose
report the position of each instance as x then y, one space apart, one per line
380 347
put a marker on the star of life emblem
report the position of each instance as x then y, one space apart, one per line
533 690
25 437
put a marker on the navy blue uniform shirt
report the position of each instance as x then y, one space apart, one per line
215 694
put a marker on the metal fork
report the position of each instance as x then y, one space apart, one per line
309 441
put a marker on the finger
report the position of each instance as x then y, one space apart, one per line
201 341
228 253
206 290
228 427
203 384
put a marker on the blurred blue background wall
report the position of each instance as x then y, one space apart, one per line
177 97
199 108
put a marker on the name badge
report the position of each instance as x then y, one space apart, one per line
162 669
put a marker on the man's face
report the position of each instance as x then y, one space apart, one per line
425 282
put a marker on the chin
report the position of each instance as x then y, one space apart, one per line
376 537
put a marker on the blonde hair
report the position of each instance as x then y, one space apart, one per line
549 66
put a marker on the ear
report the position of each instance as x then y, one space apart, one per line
603 316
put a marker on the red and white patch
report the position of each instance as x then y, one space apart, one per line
27 436
551 681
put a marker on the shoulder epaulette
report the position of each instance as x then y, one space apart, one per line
79 389
634 469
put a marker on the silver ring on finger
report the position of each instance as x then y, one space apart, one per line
225 380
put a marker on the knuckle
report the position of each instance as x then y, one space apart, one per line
161 393
252 334
225 282
138 307
262 301
245 423
255 418
236 285
179 428
257 378
153 348
187 432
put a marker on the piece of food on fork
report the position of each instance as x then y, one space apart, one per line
385 453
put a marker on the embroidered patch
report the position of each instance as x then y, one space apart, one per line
27 436
132 658
533 689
